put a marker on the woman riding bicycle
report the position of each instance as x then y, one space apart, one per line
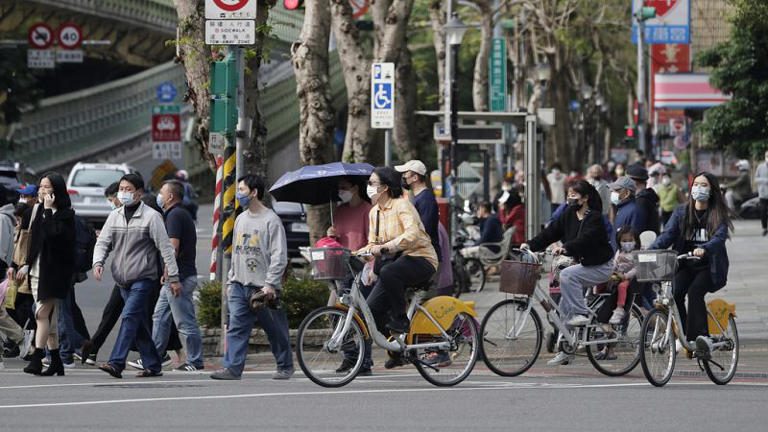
581 230
403 250
701 228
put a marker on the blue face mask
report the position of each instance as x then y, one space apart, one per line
160 201
243 199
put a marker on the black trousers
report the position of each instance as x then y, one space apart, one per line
388 295
695 282
764 212
24 311
111 314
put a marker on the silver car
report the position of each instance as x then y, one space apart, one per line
86 185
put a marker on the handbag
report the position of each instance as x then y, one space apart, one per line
10 294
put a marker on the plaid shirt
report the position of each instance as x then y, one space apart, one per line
400 229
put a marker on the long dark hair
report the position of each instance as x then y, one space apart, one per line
717 211
61 197
583 188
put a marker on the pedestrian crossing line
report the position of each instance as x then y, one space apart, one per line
388 392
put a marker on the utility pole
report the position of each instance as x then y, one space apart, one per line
641 16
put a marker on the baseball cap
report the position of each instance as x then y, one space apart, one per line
637 172
29 190
624 183
416 166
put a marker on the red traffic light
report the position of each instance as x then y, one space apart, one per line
629 132
293 4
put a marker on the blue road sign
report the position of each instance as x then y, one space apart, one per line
166 92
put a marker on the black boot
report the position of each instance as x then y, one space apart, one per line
56 367
35 366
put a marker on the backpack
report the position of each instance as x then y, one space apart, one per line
85 242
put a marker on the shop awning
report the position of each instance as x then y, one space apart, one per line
686 91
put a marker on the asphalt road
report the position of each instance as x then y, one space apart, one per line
90 400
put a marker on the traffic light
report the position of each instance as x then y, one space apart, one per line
293 4
630 135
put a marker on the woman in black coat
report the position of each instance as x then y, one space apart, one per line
51 261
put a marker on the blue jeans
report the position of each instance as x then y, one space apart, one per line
182 310
70 340
241 320
135 328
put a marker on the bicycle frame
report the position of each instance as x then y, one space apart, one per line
356 302
673 320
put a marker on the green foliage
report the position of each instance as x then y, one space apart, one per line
209 305
302 296
740 67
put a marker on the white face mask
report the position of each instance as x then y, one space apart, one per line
373 192
615 199
126 198
627 246
555 171
345 196
666 181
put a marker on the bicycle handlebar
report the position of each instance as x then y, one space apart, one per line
688 256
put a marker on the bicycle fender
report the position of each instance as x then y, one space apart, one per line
443 309
721 310
357 317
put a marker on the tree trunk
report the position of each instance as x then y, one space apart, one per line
480 79
405 95
437 17
195 56
255 152
316 118
356 67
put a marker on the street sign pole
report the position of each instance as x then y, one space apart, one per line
387 147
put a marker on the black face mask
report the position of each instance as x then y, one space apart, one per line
405 185
573 203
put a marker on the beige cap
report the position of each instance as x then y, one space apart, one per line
416 166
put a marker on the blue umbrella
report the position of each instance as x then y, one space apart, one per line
316 184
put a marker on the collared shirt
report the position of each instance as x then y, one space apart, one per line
400 230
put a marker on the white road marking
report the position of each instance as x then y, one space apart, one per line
325 393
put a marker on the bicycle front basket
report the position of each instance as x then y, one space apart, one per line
329 263
519 277
655 265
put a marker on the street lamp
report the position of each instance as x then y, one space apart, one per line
544 73
454 33
642 15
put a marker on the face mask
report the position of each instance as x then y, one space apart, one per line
506 188
627 246
372 191
619 172
405 184
555 171
345 196
666 181
126 198
573 202
111 205
243 199
615 198
159 200
699 193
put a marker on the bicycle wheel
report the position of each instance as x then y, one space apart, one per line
319 361
721 367
448 368
658 348
619 358
511 337
476 272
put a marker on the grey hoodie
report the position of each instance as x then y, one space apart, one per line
7 227
135 245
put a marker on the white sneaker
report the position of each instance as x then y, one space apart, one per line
579 320
69 365
166 361
560 359
618 316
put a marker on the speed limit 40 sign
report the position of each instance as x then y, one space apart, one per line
70 36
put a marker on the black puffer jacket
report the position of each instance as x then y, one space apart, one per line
647 203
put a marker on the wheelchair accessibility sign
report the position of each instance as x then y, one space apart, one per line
382 95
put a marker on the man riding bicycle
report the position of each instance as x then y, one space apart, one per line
699 227
582 233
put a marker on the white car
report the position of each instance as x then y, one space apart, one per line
86 184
